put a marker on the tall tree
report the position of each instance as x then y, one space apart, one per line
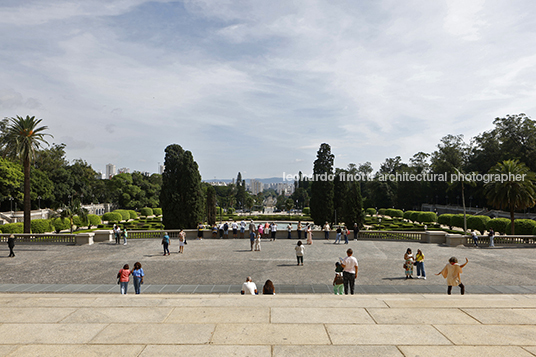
352 211
22 139
211 205
181 196
321 202
514 193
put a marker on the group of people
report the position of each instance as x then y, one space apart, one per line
118 234
123 277
166 241
250 288
222 229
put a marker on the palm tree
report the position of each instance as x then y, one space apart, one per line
22 139
462 180
512 187
71 210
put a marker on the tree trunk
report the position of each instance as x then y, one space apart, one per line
27 200
512 218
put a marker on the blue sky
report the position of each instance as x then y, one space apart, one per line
257 86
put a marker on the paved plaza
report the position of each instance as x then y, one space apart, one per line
62 300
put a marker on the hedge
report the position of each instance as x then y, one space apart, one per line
427 217
146 211
414 216
371 211
394 212
478 223
445 219
457 220
94 220
41 226
77 221
498 224
382 211
12 227
133 214
306 210
60 224
157 211
112 217
521 226
407 215
124 214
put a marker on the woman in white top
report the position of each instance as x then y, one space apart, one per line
300 249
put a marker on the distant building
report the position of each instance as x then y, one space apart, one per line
161 169
124 170
255 187
110 171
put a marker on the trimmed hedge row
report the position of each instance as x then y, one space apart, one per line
370 211
146 211
12 228
112 217
498 225
522 226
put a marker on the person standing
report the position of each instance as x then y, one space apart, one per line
165 243
491 236
124 277
452 272
419 263
125 235
338 284
258 242
226 230
345 232
300 250
214 231
200 231
408 263
234 227
252 230
249 287
475 238
349 273
299 229
11 245
242 228
137 277
338 236
266 229
356 231
220 229
260 229
326 230
182 240
289 230
116 233
273 230
309 234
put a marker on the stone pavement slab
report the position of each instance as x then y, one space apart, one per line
223 314
206 350
33 314
489 335
155 334
415 316
386 335
503 316
106 315
78 350
38 333
315 315
271 334
322 351
465 351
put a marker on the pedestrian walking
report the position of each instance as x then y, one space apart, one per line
349 273
125 235
300 250
408 263
11 244
452 272
182 240
419 263
491 236
123 278
165 243
137 277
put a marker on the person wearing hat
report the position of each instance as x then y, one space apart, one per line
11 245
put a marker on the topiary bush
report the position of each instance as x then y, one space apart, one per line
392 212
79 222
133 214
125 215
478 223
521 226
60 224
427 217
146 212
370 211
382 211
444 219
112 217
12 228
41 226
407 215
157 211
414 216
94 220
306 210
457 220
498 225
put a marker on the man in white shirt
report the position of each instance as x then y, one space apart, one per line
326 230
249 287
242 228
349 272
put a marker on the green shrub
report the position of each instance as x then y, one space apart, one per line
521 226
457 220
478 223
60 224
444 219
79 222
41 226
112 217
382 211
12 227
407 215
146 211
414 216
392 212
133 214
230 211
498 225
306 210
125 215
157 211
427 217
94 220
371 211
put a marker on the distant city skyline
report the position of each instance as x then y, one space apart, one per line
257 86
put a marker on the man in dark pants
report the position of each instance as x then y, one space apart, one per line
349 272
11 245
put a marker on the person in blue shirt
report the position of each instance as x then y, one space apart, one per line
138 275
165 243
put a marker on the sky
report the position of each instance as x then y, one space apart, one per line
257 86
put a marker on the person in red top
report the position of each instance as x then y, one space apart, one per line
124 277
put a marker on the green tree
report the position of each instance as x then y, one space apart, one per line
514 193
181 196
23 138
321 202
211 205
11 179
71 210
352 211
289 204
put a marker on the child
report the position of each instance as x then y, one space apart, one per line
124 277
300 250
452 273
338 282
182 240
258 242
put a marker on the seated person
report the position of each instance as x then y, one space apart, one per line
268 288
249 287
